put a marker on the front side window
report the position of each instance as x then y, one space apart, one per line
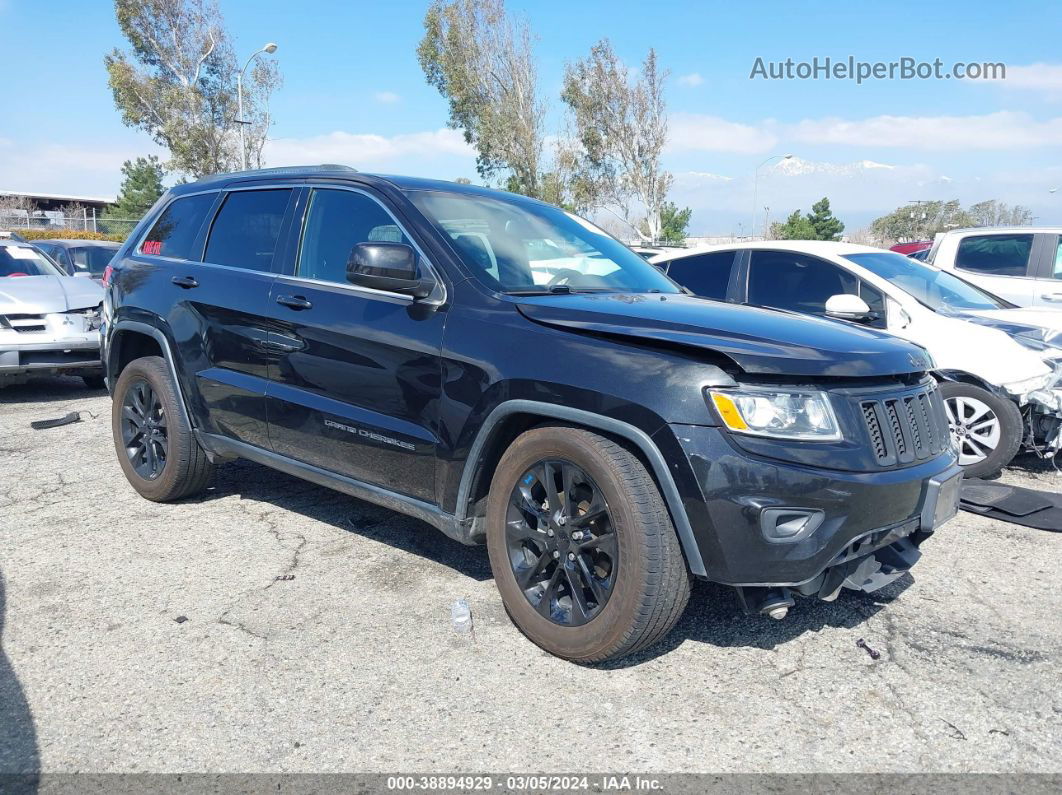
797 282
995 255
247 228
707 275
176 229
335 222
25 261
520 246
937 289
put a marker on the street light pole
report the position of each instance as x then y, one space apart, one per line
756 187
270 48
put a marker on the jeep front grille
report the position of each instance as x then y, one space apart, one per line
906 428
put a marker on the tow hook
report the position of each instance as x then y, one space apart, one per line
776 604
771 602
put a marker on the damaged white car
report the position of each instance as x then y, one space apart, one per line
1000 366
49 322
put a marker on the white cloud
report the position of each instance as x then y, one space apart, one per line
1045 77
696 132
1002 130
67 168
386 97
361 149
693 79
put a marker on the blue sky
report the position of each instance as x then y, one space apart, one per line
353 92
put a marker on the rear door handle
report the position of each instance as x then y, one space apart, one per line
294 301
1052 297
187 282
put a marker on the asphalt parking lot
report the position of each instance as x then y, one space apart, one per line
352 664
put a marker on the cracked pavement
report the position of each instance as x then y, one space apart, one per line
352 665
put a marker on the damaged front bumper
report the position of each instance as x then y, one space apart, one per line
1041 405
870 562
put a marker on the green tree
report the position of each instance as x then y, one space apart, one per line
141 188
483 65
822 220
796 227
178 83
674 222
620 121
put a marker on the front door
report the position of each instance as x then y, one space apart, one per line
1049 277
356 385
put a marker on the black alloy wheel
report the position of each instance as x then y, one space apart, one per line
144 430
561 542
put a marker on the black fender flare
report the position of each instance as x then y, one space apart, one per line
157 334
588 419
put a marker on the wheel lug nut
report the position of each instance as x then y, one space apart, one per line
556 554
571 556
549 532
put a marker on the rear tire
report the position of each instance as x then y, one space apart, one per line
986 428
156 448
640 584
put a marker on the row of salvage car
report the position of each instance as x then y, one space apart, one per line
999 364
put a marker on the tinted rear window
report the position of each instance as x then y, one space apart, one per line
175 231
996 255
706 274
247 228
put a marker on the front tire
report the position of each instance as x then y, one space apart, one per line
582 547
156 448
986 429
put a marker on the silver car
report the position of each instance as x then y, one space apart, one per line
49 322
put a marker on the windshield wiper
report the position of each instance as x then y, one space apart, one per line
557 289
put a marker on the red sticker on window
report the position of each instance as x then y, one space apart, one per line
151 247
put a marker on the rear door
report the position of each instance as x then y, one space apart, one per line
356 385
1003 264
220 306
1048 282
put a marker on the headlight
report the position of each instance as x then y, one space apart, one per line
782 414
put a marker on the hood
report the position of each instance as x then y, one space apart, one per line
42 295
760 341
1042 324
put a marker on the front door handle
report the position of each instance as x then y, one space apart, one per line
294 302
187 282
1052 297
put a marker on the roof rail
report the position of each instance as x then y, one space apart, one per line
276 172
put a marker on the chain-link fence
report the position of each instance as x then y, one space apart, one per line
34 223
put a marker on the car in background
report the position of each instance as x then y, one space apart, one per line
999 366
912 248
49 322
1021 264
80 257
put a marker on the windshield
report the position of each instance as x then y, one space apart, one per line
934 288
94 259
522 247
25 261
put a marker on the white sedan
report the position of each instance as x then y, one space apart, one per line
1000 367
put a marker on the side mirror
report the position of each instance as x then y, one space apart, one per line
387 266
848 307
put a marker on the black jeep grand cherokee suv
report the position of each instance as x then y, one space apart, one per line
509 373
